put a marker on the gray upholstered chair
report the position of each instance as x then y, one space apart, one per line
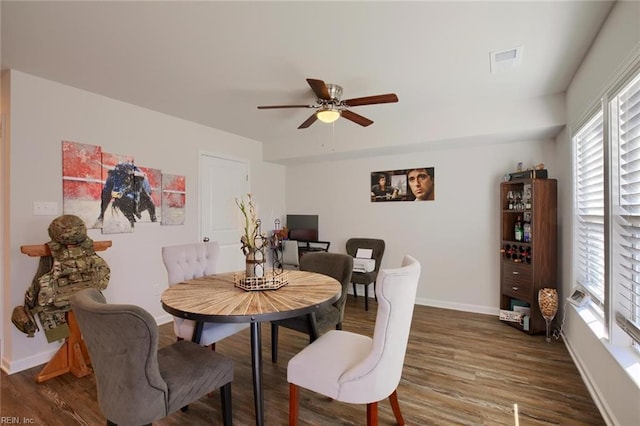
357 369
188 261
366 278
137 382
338 266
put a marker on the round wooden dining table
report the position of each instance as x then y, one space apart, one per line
216 298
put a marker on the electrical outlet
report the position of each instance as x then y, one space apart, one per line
45 208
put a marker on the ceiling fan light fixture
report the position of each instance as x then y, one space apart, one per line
329 105
328 115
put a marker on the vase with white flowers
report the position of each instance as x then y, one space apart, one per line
253 240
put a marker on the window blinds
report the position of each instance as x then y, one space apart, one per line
625 113
589 230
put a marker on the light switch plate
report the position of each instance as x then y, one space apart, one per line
45 208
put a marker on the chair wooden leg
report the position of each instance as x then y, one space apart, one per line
393 398
293 404
225 401
372 414
355 292
274 343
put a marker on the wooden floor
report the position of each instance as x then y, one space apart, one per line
460 369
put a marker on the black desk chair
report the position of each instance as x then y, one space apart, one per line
366 278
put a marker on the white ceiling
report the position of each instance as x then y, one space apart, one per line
214 62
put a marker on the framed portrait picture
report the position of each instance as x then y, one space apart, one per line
416 184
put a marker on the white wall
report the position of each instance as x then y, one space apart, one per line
43 113
4 198
268 185
456 237
617 43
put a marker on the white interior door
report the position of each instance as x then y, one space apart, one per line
221 182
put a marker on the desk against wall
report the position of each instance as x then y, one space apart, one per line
311 246
308 240
289 251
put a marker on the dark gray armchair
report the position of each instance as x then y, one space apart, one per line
338 266
366 278
137 382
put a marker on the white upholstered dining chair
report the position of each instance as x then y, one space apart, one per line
188 261
290 254
357 369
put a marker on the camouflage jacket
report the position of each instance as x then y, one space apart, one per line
71 267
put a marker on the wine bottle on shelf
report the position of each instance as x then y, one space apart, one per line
526 231
518 229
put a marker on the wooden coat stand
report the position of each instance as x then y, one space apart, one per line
72 356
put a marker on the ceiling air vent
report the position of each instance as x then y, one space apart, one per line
506 59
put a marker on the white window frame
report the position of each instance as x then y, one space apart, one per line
625 223
613 303
585 254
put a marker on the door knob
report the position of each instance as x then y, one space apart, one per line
205 240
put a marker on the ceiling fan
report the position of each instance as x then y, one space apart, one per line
330 107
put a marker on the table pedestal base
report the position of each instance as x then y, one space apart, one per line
256 365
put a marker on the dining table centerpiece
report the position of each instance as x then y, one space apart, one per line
254 242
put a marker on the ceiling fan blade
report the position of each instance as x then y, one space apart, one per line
308 122
370 100
319 88
356 118
285 106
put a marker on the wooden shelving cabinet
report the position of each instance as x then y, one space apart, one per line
528 266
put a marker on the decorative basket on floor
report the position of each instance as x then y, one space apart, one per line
270 281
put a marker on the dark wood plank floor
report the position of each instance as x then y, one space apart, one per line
460 369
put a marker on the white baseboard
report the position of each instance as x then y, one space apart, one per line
478 309
16 366
34 360
163 319
594 391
